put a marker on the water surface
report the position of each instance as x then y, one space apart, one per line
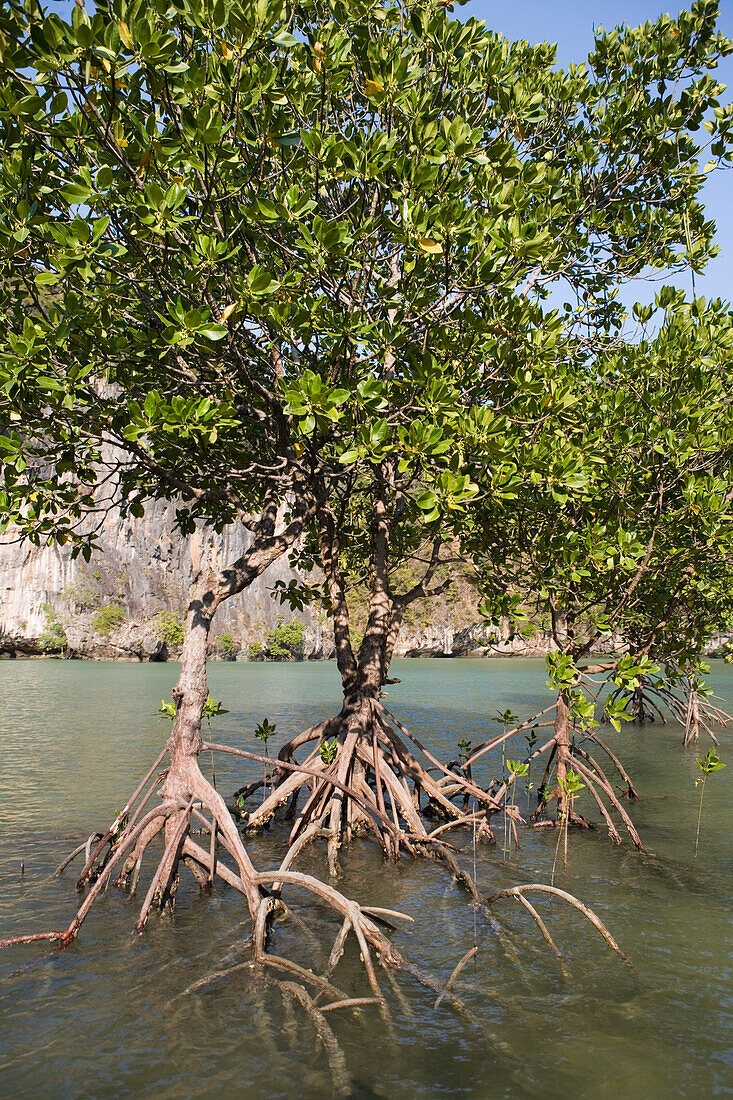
115 1015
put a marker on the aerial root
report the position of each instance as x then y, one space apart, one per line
374 782
125 843
630 789
134 861
594 779
493 742
441 851
594 776
127 839
463 783
301 774
85 846
612 830
518 892
34 938
338 948
111 836
469 819
165 874
350 1002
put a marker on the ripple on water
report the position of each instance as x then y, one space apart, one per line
116 1015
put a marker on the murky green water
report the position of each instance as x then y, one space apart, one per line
111 1016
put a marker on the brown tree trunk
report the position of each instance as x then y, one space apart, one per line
562 741
372 669
367 784
185 781
185 789
374 780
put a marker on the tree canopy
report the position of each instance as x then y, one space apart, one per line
254 241
362 263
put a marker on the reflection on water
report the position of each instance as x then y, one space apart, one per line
115 1014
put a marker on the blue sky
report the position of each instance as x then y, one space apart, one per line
570 24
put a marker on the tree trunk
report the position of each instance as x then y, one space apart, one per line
562 741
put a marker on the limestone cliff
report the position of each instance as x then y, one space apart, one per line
143 567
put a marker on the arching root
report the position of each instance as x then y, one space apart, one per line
456 971
85 846
519 891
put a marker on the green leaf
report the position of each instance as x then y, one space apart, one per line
284 38
212 331
77 193
291 138
259 280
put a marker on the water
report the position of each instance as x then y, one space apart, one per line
114 1015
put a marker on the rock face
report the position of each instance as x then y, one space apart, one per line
474 640
142 566
135 640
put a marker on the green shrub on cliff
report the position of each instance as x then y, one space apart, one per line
53 637
285 641
108 619
170 628
81 595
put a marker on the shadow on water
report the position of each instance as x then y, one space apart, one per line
115 1015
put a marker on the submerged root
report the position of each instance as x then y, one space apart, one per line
336 1060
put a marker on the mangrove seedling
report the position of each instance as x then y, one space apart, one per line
507 718
328 750
264 732
709 763
464 750
212 709
570 784
531 740
464 753
517 769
